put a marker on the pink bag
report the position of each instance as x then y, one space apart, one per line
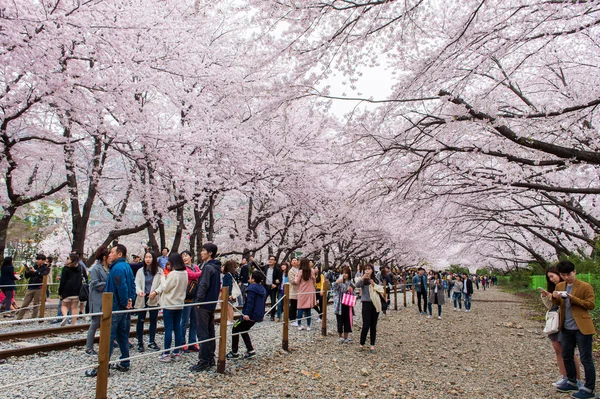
349 300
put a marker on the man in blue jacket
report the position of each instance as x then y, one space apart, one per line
121 283
419 283
209 286
253 312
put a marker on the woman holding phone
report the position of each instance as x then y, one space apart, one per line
553 278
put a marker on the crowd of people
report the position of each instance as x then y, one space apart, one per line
189 294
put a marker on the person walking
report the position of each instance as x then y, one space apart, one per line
467 291
98 276
436 295
172 297
371 305
305 280
457 293
575 299
208 291
35 274
419 283
148 282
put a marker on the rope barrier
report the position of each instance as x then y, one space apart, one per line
133 310
19 309
40 319
161 351
32 380
16 286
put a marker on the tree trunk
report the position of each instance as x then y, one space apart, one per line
179 231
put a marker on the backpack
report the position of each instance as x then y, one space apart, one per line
192 286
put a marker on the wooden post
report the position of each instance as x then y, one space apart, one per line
43 300
221 363
104 346
324 289
286 317
395 295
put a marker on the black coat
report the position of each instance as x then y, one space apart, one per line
8 278
71 280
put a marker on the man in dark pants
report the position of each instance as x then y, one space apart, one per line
121 283
209 286
420 287
272 281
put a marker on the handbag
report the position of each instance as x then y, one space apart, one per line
235 290
84 291
349 300
552 320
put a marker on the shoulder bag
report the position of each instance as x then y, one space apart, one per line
552 320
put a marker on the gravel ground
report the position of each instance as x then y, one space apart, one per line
492 352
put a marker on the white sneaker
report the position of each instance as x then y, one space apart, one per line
300 328
429 317
455 309
307 328
294 323
318 320
439 317
560 381
165 358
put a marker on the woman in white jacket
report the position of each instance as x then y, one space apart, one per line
173 297
148 281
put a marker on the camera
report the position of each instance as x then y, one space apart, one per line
563 295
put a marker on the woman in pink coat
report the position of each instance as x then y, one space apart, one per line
306 292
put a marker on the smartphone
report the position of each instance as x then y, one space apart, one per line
541 289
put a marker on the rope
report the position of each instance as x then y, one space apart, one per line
28 285
162 351
39 319
165 307
32 380
19 309
257 329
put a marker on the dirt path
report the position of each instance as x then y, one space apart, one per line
492 352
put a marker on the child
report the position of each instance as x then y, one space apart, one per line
343 313
253 312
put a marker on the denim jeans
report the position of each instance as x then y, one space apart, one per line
456 297
570 339
279 305
467 301
121 323
172 321
306 313
188 319
430 309
139 327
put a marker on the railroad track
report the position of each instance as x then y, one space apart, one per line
54 332
67 343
